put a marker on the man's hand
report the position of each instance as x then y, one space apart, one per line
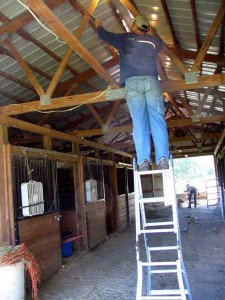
98 23
152 31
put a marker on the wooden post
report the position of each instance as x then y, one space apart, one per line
47 140
80 203
114 193
7 232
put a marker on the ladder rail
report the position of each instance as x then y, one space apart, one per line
145 228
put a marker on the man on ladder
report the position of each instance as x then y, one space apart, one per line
138 74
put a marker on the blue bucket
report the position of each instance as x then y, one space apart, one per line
67 249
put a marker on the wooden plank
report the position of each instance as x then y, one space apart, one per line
42 237
37 222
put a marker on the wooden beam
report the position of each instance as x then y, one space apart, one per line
14 79
97 97
194 17
219 143
209 37
15 123
12 97
41 9
170 124
6 211
113 111
184 103
26 18
169 22
69 51
195 138
4 51
172 101
203 81
25 68
47 140
111 130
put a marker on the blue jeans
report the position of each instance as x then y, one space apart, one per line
145 102
192 192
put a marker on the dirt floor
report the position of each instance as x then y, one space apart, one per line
109 271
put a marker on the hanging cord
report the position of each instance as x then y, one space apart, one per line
36 18
29 171
61 111
89 170
10 255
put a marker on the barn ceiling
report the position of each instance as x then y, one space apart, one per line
56 72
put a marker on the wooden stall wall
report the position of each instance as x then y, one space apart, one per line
126 210
122 211
68 221
131 198
96 217
41 235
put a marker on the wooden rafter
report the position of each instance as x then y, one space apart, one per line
25 68
169 22
4 51
170 124
194 17
42 10
69 51
26 18
209 37
14 79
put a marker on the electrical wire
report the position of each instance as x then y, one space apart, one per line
36 18
61 111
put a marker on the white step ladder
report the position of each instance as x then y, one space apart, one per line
156 275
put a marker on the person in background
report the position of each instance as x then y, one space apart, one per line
192 191
138 74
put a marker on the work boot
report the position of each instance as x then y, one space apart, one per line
145 166
163 164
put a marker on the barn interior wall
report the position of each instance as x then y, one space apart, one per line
42 234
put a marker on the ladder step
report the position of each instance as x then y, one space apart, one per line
165 295
161 298
156 230
166 292
164 271
159 223
165 248
155 264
